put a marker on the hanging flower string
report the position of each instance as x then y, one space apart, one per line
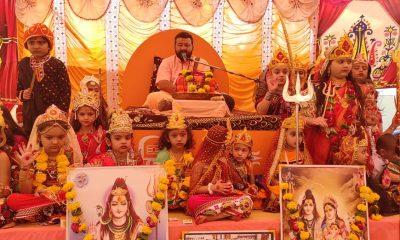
370 202
296 225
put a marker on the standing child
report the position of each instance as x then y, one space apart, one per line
285 154
42 79
119 139
86 122
175 143
44 164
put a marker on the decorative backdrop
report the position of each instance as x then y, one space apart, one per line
244 33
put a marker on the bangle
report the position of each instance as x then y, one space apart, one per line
209 189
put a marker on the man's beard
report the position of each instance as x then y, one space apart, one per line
179 55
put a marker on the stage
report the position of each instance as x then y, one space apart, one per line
258 221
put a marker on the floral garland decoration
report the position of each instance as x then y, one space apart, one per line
358 227
196 82
176 182
296 225
41 165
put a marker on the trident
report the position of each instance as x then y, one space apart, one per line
297 98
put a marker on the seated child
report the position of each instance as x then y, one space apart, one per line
119 139
175 146
285 154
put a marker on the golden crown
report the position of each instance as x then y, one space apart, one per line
360 58
90 99
53 113
89 79
290 122
120 122
279 58
176 121
301 63
344 49
119 192
244 138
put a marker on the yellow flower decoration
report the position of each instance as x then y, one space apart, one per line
188 158
54 189
376 217
362 207
355 228
189 78
70 195
353 236
41 166
156 206
88 237
42 157
82 227
170 170
62 158
160 196
208 74
68 186
376 196
154 218
300 225
75 219
287 196
146 230
186 182
292 205
73 206
294 215
162 187
304 235
365 189
174 186
360 219
284 185
183 195
164 180
40 177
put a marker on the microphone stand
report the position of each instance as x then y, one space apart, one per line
222 69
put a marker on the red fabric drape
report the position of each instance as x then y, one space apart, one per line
392 7
8 52
329 11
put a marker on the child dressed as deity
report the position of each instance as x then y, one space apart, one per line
212 196
176 142
92 84
44 163
85 120
240 160
285 154
119 139
42 79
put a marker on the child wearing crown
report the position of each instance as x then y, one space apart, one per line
268 95
92 84
44 164
119 139
285 153
176 142
241 164
339 102
85 120
42 79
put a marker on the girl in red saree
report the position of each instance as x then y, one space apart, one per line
212 195
339 101
44 164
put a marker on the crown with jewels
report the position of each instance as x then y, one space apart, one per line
290 122
360 58
90 99
344 49
280 58
53 113
301 63
119 192
244 138
176 121
120 122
